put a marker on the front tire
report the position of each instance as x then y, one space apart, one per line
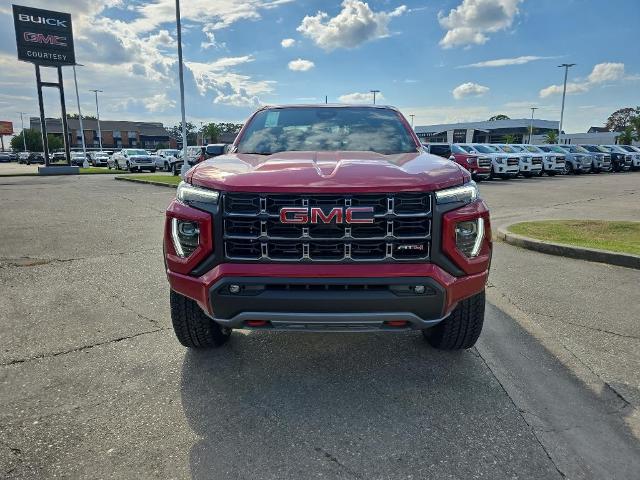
192 327
462 328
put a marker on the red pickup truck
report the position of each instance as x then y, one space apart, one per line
327 218
479 166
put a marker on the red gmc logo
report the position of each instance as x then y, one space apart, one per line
46 39
317 215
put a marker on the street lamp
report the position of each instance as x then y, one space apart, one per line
24 140
566 67
181 75
533 109
84 146
98 117
374 95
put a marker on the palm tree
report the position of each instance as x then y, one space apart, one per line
551 137
509 139
626 137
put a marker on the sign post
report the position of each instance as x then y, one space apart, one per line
45 38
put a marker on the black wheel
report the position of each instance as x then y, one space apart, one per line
551 173
116 165
174 170
192 327
461 329
152 170
167 168
526 174
130 168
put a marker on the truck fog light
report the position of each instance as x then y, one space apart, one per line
419 289
185 235
234 288
469 236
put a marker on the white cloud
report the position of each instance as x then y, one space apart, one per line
471 21
301 65
288 43
357 97
469 89
159 103
504 62
601 73
354 25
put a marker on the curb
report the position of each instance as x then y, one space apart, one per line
147 182
581 253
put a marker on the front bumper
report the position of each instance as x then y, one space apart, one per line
328 297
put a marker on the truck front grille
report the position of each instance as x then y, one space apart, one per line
512 161
484 162
536 161
401 229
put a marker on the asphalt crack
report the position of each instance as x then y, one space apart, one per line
333 459
34 262
18 361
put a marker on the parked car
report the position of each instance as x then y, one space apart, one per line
5 157
621 160
635 156
78 158
525 163
575 162
193 154
552 162
99 159
300 245
133 159
478 166
59 156
167 160
35 157
502 165
23 156
604 156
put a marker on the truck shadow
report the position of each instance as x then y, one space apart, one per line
349 406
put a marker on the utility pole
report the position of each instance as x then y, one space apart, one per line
24 140
566 67
326 99
533 109
181 75
374 95
97 116
84 145
412 120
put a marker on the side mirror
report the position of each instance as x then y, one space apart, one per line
228 148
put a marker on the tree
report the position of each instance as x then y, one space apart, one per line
192 133
509 139
621 119
635 122
211 132
551 137
34 141
626 137
499 117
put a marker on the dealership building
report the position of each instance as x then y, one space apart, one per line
486 131
115 134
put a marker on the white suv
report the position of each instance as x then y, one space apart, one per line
552 162
502 165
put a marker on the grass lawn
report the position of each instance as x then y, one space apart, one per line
165 179
613 236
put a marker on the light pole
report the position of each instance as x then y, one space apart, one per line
566 67
412 120
84 146
533 109
374 95
98 117
24 139
181 75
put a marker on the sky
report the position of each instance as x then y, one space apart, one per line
440 60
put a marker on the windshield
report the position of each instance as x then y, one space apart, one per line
508 149
577 149
492 148
326 129
169 152
532 149
483 149
467 148
136 152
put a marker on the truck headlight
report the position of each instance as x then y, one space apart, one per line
185 235
189 193
466 193
469 236
501 160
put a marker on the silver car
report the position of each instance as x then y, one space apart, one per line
133 159
552 162
575 162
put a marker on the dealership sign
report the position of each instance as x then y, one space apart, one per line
44 37
6 128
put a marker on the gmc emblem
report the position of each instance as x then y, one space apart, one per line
46 39
317 215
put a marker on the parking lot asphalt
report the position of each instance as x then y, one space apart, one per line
94 385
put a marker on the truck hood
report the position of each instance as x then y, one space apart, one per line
327 172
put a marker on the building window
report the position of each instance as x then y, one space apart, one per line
117 134
132 135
